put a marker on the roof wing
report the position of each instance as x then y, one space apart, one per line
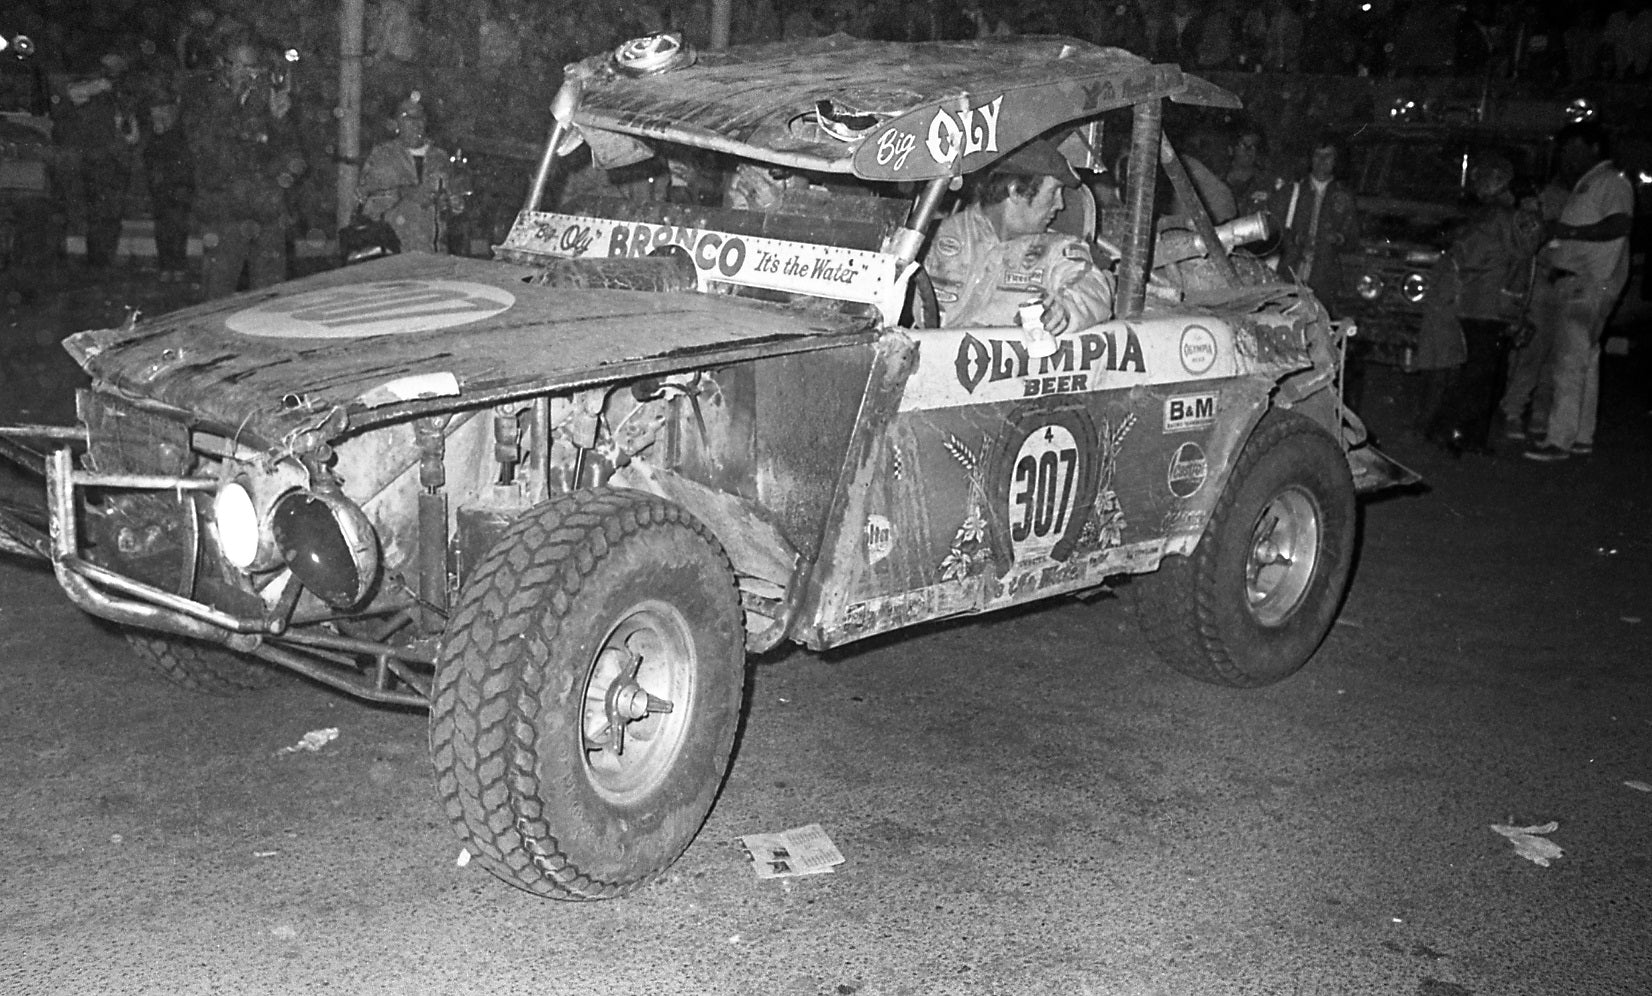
879 110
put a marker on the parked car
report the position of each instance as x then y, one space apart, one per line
559 496
1410 183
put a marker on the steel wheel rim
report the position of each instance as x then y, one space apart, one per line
1283 553
649 652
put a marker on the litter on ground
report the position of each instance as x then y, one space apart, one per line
798 851
312 741
1530 843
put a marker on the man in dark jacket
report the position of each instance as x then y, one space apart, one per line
246 157
1318 222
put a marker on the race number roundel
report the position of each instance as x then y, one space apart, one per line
1044 483
386 307
1043 486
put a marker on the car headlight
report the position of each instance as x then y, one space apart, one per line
236 518
1368 286
328 544
1414 287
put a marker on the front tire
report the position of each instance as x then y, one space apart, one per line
587 696
201 667
1256 597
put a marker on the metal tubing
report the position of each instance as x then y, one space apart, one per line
66 433
1179 179
293 662
353 645
1145 131
153 482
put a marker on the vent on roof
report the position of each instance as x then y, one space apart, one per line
846 124
653 54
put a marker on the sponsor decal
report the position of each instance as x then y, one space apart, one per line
388 307
804 268
945 135
1068 369
1186 412
1198 349
880 538
971 130
1188 469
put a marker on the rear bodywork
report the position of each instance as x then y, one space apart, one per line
752 366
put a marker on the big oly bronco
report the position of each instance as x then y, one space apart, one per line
560 496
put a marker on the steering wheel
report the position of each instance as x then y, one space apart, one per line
922 311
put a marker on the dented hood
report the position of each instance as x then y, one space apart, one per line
410 333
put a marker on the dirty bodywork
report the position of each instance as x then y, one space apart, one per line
389 476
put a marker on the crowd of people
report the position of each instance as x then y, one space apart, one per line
1511 336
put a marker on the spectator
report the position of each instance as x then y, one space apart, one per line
100 130
1589 253
1423 43
1478 290
1583 45
1216 45
1528 393
245 160
408 182
1182 30
1620 45
1248 176
1317 222
170 172
1282 50
1640 42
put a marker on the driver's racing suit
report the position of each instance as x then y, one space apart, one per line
981 280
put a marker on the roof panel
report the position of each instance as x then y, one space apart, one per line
760 100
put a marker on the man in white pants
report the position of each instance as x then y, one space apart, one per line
1589 251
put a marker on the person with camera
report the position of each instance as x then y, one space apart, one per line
409 183
246 158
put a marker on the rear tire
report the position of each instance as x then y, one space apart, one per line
1256 597
201 667
556 756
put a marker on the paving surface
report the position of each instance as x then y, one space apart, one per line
1028 803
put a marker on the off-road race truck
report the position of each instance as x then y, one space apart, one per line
559 497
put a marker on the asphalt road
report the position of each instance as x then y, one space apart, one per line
1028 803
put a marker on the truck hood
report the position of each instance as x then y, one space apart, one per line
413 333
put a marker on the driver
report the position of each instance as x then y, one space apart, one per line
998 253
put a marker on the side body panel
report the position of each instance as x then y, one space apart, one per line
1003 478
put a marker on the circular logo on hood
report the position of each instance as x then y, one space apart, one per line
387 307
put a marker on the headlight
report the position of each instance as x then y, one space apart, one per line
1415 287
328 543
236 517
1368 286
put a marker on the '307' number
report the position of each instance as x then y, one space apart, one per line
1041 488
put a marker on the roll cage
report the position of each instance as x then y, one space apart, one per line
924 115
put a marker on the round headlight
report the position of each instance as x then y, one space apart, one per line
237 521
1368 286
1415 287
328 543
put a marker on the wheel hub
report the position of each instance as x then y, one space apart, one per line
631 726
1284 552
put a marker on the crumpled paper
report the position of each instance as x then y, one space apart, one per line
312 741
1529 842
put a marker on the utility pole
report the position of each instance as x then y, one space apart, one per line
351 14
721 12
